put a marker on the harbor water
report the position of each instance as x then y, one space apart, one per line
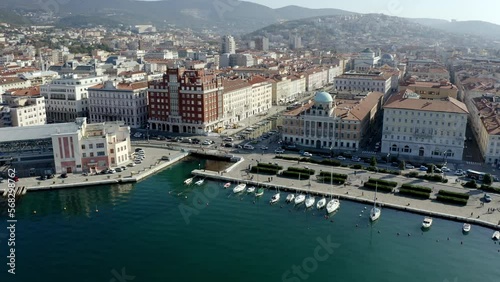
161 230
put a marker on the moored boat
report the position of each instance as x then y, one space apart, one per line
239 188
227 185
300 199
188 181
199 182
427 223
290 198
375 211
275 198
259 192
466 227
321 204
496 235
310 202
332 205
251 189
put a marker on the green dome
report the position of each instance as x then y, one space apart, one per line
323 97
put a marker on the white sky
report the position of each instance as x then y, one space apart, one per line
485 10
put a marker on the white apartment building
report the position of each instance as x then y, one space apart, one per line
260 100
237 93
39 77
423 128
24 108
316 78
127 102
7 83
66 97
161 55
228 45
371 81
92 147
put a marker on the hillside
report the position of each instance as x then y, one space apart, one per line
479 28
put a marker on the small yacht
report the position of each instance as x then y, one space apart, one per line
251 189
188 181
275 198
427 222
332 205
290 198
227 185
239 188
199 182
259 192
321 204
375 211
466 227
496 235
310 202
300 199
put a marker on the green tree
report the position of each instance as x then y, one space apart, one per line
487 180
402 165
430 169
373 161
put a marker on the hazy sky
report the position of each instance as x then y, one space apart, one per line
485 10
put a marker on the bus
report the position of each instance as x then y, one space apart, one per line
477 175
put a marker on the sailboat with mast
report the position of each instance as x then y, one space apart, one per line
333 204
375 212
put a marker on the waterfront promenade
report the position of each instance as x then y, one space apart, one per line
474 211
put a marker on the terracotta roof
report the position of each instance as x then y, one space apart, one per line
448 105
257 79
234 84
488 113
9 80
32 91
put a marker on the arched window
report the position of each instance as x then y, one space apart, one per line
394 148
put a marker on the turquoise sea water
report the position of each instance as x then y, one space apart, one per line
150 231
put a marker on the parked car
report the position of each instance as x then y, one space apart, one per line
264 147
409 166
131 165
228 139
279 151
138 150
206 142
64 175
248 147
459 172
423 168
355 159
111 171
123 167
487 198
342 158
307 154
43 177
437 170
445 169
118 169
228 145
138 162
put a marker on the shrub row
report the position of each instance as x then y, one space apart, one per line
273 166
488 188
264 170
471 184
287 158
414 193
454 194
302 170
434 177
416 188
295 175
333 180
329 174
330 162
379 187
383 182
451 200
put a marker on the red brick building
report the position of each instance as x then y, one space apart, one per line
186 101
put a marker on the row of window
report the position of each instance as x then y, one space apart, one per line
91 146
91 154
413 113
446 141
428 131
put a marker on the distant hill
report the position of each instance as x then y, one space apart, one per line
479 28
296 12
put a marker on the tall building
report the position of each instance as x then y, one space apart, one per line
186 101
91 147
485 121
371 81
422 128
66 98
24 107
125 101
295 42
228 45
262 43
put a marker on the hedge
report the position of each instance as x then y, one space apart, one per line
302 170
451 200
263 170
395 172
333 180
338 175
383 182
435 177
379 187
471 184
416 188
273 166
357 166
414 193
331 162
488 188
454 194
287 158
295 175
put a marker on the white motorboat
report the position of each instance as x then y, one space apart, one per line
227 185
466 227
427 223
375 212
310 202
496 235
188 181
259 192
199 182
239 188
290 198
251 189
300 199
332 205
321 204
275 198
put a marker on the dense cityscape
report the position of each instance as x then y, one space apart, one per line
378 100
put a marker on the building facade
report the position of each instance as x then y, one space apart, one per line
421 128
228 45
92 147
371 81
67 98
485 121
24 108
127 102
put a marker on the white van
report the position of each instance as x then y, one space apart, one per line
248 147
